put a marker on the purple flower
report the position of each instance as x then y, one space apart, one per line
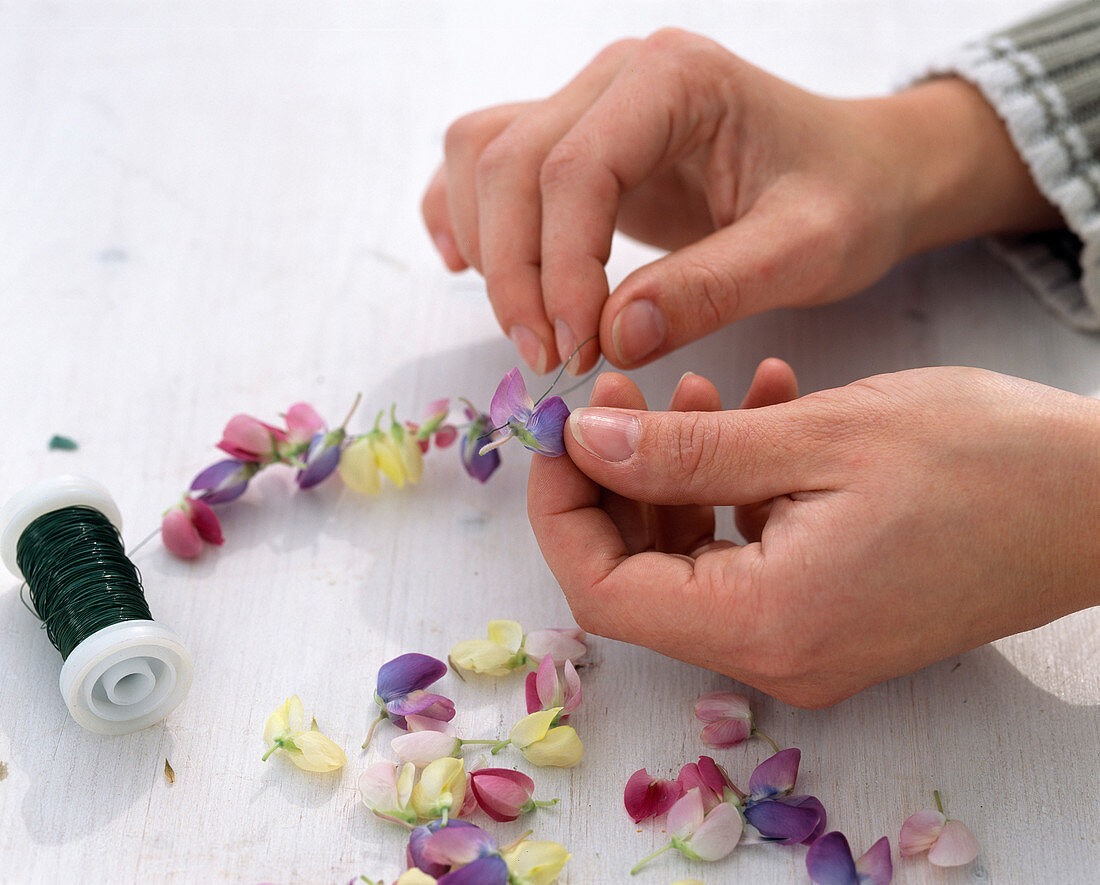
539 427
224 480
478 464
322 457
829 862
457 853
399 691
771 813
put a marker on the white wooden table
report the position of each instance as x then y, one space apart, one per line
208 208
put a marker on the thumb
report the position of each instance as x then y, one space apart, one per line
769 258
716 458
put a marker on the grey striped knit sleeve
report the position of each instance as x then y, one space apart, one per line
1043 78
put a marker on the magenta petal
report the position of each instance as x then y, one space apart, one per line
406 673
712 775
775 776
249 439
531 693
546 424
205 521
511 400
829 861
179 535
690 778
724 733
920 832
501 793
646 796
955 846
875 867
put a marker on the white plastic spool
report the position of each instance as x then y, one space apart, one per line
124 677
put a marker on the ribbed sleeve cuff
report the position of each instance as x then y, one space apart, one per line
1043 79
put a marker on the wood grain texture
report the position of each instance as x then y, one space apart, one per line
212 208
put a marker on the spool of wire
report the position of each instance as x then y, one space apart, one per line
122 670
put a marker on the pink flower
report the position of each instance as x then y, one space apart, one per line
504 794
302 424
698 834
647 796
709 779
186 526
545 690
561 643
728 717
949 843
250 439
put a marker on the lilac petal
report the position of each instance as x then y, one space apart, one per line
955 846
779 822
414 852
407 673
775 776
920 832
723 733
829 861
321 460
455 846
809 802
648 796
479 466
222 481
489 870
421 702
511 400
875 867
546 425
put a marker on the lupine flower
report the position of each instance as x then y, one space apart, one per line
250 439
543 743
400 692
514 414
498 655
728 718
433 428
646 796
829 862
307 748
458 852
698 834
424 745
561 643
534 862
713 783
224 480
504 794
949 843
358 468
303 423
442 787
545 690
386 790
772 814
480 465
186 526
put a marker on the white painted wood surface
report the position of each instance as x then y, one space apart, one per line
213 207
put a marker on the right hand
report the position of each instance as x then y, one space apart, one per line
767 194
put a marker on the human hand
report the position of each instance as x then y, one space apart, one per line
890 523
767 194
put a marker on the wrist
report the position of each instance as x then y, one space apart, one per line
958 174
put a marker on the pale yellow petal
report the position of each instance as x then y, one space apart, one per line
296 714
413 459
506 633
358 468
533 727
414 877
442 785
533 862
482 656
405 780
560 748
388 455
317 752
278 723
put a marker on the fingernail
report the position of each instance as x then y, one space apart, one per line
638 330
608 434
447 247
567 343
529 347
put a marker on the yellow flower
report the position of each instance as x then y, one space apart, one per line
533 862
498 655
411 457
387 454
415 877
442 786
307 748
542 743
358 468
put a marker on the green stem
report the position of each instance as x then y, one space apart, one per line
939 802
351 411
648 858
497 745
269 752
760 734
544 803
370 734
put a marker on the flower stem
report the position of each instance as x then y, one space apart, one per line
273 748
370 733
497 745
634 870
760 734
939 802
351 411
544 803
